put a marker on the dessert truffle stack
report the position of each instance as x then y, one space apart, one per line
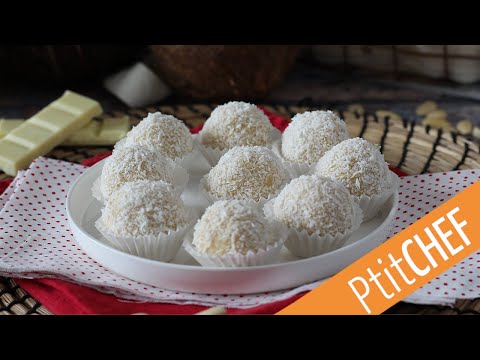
134 163
235 124
234 233
141 184
308 137
319 212
145 218
251 173
163 133
308 189
360 166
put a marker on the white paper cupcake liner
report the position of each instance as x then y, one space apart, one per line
302 244
96 192
162 247
187 161
276 134
294 169
371 205
180 181
270 255
211 198
213 155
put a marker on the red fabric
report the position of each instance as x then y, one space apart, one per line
93 160
62 297
4 185
398 172
278 121
197 129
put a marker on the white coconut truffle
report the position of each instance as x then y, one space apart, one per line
144 208
311 134
317 205
359 165
237 123
132 164
233 227
164 133
246 172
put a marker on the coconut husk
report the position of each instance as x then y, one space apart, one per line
224 72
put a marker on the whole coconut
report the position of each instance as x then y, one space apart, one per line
224 72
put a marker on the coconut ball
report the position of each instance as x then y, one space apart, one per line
131 164
246 172
311 134
233 227
317 205
164 133
359 165
144 208
237 124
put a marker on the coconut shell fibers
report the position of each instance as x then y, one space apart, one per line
224 72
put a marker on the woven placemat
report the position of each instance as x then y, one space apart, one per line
411 147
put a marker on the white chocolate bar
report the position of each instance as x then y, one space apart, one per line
7 126
48 128
105 132
101 133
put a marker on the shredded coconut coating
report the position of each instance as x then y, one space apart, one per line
311 134
131 164
246 172
144 208
164 133
359 165
316 204
237 123
232 227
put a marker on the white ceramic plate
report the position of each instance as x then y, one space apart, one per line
185 274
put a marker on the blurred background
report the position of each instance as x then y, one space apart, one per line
394 77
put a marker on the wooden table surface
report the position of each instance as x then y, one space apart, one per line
306 84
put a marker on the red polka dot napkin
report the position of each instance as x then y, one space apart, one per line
418 195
